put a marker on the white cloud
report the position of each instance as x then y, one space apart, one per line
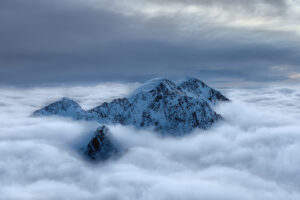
276 16
253 154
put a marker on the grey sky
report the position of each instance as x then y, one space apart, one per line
218 41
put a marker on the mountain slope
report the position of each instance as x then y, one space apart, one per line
64 107
169 108
198 89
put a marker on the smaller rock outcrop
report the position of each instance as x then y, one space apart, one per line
102 146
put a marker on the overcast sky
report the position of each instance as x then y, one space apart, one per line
83 41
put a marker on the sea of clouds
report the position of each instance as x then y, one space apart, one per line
253 154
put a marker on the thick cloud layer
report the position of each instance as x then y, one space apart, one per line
96 40
253 154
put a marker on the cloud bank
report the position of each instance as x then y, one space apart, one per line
94 40
253 154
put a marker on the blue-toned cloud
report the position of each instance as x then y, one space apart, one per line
253 154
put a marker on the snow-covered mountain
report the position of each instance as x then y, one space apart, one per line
64 107
198 89
173 109
169 108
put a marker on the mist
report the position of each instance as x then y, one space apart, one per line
252 154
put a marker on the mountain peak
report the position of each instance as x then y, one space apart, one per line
159 84
66 99
198 89
191 80
65 107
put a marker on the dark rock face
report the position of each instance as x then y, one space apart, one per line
102 146
173 109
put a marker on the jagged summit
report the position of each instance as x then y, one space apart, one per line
190 79
198 89
64 107
189 86
169 108
158 85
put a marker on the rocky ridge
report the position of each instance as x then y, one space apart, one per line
159 104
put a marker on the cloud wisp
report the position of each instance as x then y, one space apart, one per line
253 154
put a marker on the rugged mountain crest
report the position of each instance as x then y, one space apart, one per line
102 146
198 89
158 86
63 107
159 103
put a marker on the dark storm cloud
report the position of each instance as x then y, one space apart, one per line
72 41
